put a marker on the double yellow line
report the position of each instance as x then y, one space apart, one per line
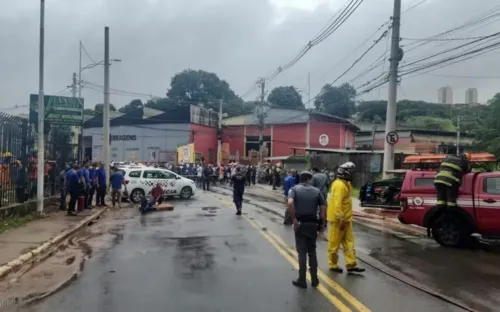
291 255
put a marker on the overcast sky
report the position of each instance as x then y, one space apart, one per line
240 40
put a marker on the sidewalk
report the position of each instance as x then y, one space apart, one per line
373 216
18 241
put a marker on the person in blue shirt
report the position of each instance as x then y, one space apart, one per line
116 180
287 186
83 173
74 188
101 185
92 184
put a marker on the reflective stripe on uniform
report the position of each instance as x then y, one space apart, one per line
448 175
441 202
442 182
451 204
450 165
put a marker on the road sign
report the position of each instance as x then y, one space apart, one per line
392 137
59 110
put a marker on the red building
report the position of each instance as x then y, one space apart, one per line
286 129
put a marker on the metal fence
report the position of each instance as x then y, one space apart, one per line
18 154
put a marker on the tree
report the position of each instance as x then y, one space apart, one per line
489 140
285 97
201 87
428 122
338 101
372 111
163 104
133 105
88 111
98 108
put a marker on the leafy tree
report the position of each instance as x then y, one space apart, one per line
372 110
98 108
201 87
285 97
162 104
88 111
427 122
338 101
489 140
133 105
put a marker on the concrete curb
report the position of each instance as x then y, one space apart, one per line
15 264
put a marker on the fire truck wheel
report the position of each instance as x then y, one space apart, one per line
450 231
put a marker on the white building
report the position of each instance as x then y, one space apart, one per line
471 96
445 95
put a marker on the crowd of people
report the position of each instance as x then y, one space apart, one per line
87 181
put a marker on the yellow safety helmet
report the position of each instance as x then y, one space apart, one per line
8 154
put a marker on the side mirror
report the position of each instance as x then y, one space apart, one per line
178 177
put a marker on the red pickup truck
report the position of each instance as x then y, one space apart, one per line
478 210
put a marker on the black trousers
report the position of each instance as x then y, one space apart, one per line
72 200
206 183
91 193
101 193
305 242
446 195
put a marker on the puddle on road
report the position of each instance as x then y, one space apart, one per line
194 255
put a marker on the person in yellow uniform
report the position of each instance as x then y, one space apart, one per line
339 217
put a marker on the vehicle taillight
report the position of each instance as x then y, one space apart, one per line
126 181
403 203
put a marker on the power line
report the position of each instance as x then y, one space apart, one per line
465 77
338 21
442 39
352 65
87 54
412 7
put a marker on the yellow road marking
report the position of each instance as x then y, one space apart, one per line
323 290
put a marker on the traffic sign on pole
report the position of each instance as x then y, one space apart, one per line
392 137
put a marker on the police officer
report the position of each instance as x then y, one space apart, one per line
238 189
449 178
304 201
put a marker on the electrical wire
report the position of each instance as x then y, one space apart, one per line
414 6
87 54
338 21
352 65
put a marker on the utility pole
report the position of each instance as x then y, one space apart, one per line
458 135
74 86
41 116
396 56
374 131
80 73
219 136
261 116
105 115
309 89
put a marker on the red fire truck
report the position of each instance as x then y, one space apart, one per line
478 210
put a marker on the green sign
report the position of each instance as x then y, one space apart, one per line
59 110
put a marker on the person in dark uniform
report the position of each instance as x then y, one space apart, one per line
207 175
239 182
449 178
304 200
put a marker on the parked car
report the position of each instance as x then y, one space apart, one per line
383 193
477 212
139 181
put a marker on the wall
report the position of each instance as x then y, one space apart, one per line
337 135
137 143
205 139
235 136
287 136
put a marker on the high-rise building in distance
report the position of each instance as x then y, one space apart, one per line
445 95
471 96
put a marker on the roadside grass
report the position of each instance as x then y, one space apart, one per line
15 222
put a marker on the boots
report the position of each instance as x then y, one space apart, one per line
314 278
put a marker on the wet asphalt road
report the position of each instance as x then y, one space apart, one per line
199 257
203 257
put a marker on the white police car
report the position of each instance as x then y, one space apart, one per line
139 181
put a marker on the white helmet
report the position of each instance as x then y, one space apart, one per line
345 171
